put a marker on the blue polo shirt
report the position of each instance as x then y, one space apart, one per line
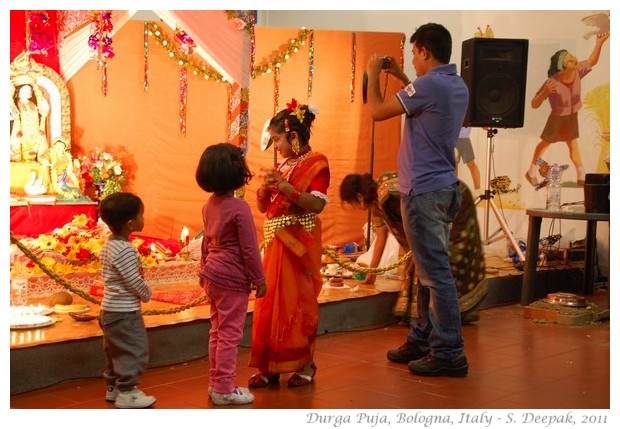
435 105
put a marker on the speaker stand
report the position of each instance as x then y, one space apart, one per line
487 197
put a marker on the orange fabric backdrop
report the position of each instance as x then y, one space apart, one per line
143 127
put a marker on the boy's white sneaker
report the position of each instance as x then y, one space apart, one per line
133 399
111 393
239 396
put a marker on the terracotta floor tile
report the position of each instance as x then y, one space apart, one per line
514 364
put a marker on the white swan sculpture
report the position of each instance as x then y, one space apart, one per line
35 186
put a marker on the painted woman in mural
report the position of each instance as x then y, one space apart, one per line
563 90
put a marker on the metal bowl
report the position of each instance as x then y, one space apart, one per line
82 317
567 299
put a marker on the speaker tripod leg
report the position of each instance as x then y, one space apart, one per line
507 233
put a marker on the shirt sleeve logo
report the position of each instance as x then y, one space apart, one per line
410 90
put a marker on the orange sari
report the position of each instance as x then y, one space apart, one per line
285 320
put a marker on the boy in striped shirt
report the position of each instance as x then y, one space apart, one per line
125 341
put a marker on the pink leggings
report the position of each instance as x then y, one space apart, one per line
228 313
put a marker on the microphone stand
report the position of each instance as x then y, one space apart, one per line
372 164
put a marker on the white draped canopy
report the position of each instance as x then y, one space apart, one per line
218 41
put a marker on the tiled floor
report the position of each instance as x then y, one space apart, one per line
515 363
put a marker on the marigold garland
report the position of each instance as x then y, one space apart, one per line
197 68
73 248
284 55
53 274
345 263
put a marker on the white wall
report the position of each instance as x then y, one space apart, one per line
547 32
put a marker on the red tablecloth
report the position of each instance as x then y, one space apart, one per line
35 219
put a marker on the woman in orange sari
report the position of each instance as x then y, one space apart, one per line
292 194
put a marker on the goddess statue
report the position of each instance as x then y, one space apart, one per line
28 113
63 168
40 114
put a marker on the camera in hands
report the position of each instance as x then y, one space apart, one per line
386 64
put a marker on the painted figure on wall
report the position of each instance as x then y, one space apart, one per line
28 114
563 90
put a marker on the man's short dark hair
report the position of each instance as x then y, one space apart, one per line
436 39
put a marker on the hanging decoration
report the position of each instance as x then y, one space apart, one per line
252 50
238 114
402 51
310 63
243 20
100 43
276 90
238 108
183 95
197 68
38 35
186 43
145 82
186 46
244 114
69 21
284 55
243 119
353 57
208 73
230 111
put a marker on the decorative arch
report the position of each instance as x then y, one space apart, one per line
25 70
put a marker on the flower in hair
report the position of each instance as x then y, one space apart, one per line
292 105
294 108
314 109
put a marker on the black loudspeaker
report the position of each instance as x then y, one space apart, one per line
494 71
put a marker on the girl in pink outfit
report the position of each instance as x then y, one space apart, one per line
563 89
230 265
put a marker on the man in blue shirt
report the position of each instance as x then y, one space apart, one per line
434 106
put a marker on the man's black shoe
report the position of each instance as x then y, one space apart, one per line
432 366
407 352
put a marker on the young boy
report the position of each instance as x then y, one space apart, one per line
125 341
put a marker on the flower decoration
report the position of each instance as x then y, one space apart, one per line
101 170
100 40
186 43
73 248
294 108
38 38
314 109
241 19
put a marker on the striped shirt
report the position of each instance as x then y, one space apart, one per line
124 285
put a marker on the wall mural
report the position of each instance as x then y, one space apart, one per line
557 101
562 90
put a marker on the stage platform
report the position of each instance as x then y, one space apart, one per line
70 349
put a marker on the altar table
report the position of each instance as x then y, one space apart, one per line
33 219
